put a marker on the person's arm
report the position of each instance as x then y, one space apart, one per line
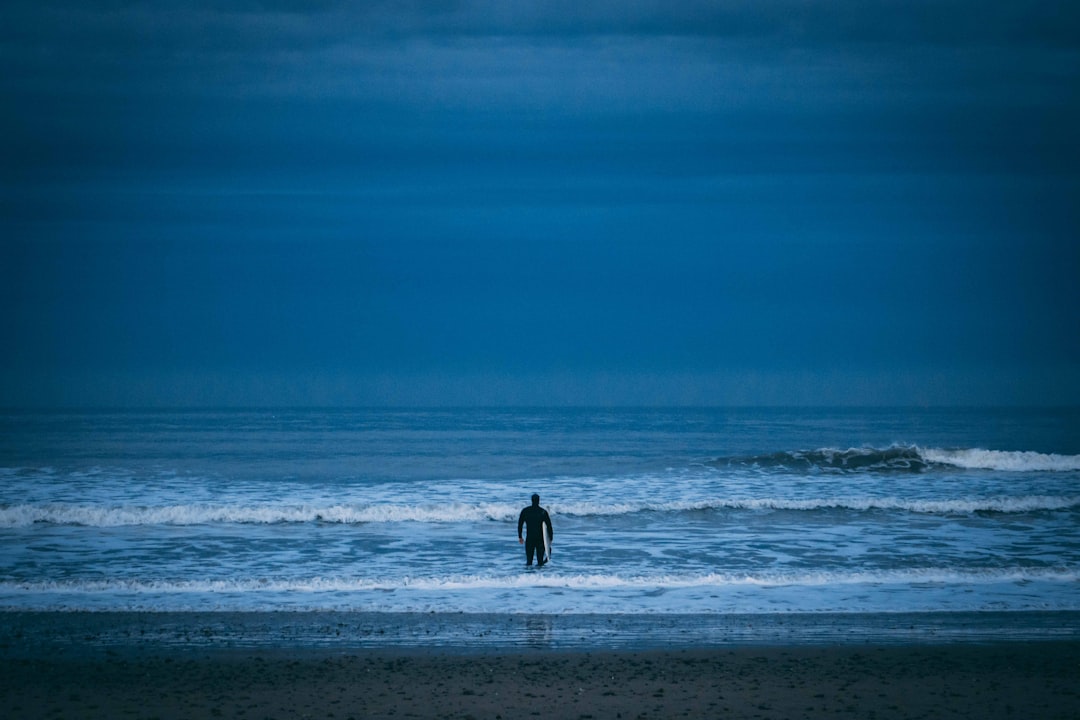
521 521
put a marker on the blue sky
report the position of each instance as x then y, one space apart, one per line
458 203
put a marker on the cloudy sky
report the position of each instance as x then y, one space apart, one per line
458 203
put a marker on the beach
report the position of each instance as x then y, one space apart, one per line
996 680
380 665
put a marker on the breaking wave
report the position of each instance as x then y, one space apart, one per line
207 514
903 458
977 459
14 516
571 581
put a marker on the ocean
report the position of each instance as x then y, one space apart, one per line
657 513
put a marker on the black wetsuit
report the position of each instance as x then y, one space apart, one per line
533 518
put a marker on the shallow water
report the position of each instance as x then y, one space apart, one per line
655 512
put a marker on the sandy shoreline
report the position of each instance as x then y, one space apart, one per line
1005 680
373 665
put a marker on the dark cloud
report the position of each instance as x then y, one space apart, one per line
254 25
557 200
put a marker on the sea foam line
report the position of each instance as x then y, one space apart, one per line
206 514
548 579
25 515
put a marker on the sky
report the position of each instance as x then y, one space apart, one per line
480 202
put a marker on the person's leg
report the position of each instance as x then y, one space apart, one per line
530 549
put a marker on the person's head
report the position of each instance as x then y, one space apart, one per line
536 499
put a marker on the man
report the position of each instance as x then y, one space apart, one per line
534 518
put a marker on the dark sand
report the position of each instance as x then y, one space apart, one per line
988 681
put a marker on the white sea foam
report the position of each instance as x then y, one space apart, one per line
24 515
1023 461
206 514
549 580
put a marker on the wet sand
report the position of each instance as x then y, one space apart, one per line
1004 680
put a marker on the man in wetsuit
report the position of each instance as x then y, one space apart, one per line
533 518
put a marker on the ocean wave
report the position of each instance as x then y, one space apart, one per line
905 458
1025 461
208 514
24 515
961 506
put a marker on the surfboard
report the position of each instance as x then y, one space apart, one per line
547 541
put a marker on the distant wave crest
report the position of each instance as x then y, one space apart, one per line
905 458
